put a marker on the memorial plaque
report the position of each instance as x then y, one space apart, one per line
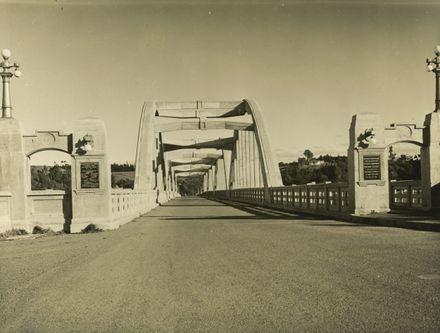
90 175
372 167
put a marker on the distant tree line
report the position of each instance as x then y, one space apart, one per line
324 168
125 177
190 185
56 177
405 167
304 170
116 167
309 169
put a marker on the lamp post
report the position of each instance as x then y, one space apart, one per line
433 65
6 73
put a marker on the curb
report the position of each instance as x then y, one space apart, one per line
370 220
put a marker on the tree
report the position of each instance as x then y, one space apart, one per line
190 185
308 154
298 172
115 167
56 177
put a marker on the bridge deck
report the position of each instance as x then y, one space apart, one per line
198 265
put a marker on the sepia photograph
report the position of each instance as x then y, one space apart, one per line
220 166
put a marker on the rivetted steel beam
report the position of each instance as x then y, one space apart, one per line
242 123
222 143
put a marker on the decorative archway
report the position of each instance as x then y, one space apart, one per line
368 164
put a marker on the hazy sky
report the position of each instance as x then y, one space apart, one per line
310 65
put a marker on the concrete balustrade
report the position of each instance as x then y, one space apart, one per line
127 204
326 197
406 194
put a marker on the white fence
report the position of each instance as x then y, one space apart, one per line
406 194
127 204
326 197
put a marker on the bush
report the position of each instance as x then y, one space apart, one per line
40 230
91 228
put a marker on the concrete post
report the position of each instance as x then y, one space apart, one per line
220 174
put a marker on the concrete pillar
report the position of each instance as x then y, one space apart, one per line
205 182
431 160
91 184
210 180
251 163
233 173
220 174
227 166
239 163
367 166
247 160
14 177
146 155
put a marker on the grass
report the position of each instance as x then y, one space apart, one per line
12 233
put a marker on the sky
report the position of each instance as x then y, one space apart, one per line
310 65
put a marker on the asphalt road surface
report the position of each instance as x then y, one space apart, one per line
195 265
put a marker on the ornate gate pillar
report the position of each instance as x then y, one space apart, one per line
91 177
368 165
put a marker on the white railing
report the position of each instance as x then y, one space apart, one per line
406 194
127 204
331 197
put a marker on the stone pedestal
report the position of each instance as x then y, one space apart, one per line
91 183
14 178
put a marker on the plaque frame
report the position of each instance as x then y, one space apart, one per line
96 179
102 181
382 162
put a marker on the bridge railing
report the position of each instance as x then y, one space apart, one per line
330 197
406 194
127 204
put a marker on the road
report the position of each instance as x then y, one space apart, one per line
195 265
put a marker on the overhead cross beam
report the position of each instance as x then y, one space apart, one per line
240 123
222 143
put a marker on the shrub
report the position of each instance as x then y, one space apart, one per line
90 229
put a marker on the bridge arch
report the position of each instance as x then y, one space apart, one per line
243 156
